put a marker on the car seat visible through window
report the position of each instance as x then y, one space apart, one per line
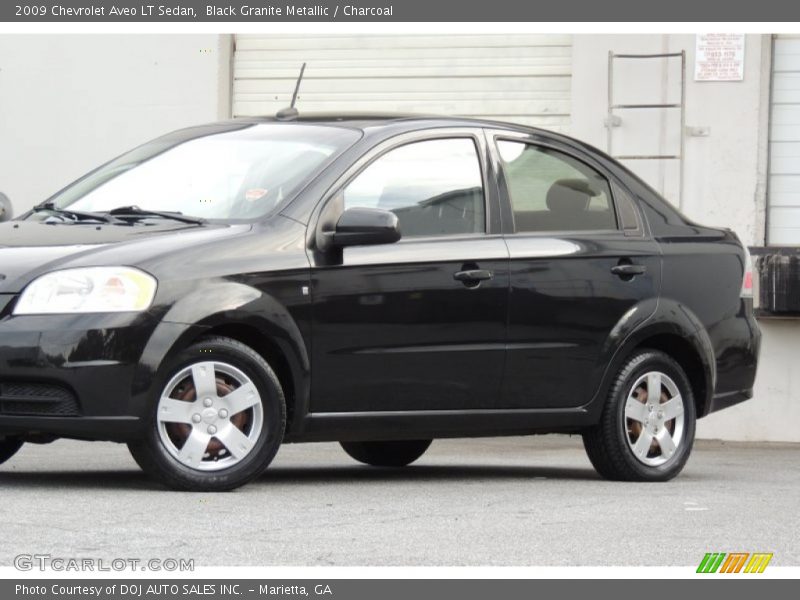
568 209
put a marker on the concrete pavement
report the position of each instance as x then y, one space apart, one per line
512 501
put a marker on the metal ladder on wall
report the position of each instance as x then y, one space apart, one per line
614 120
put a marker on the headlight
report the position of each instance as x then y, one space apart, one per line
88 290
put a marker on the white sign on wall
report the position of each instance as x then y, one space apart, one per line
719 57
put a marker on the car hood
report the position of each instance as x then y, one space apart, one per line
28 249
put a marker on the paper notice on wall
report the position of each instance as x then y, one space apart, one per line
719 57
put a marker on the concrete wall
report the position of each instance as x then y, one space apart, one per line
774 412
70 102
725 171
724 181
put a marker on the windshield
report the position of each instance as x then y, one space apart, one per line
237 174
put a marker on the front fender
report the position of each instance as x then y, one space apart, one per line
221 303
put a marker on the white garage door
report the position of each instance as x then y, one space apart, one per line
521 78
784 181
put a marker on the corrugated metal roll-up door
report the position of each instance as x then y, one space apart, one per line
784 169
520 78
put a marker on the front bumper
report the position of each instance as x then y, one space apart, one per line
80 376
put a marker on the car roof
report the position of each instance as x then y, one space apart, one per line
379 125
366 120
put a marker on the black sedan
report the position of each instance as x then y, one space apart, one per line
376 281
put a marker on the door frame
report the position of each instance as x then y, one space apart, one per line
488 245
491 192
617 187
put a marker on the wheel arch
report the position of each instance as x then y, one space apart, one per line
687 356
267 347
257 320
675 330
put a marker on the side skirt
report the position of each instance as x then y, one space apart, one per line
367 426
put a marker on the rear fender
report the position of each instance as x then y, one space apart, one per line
668 318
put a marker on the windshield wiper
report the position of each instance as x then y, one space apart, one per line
135 211
74 215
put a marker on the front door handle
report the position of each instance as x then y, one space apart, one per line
628 270
472 275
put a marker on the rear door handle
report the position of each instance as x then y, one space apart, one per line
472 275
627 270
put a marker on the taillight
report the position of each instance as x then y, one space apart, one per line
747 280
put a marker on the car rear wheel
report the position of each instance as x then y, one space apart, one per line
8 448
387 454
218 420
647 427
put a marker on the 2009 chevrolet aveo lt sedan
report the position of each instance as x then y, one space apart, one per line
380 282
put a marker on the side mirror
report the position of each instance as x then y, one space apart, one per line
363 227
5 208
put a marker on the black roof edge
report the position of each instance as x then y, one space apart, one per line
360 119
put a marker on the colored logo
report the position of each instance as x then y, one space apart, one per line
734 562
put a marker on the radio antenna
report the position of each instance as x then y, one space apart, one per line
290 112
297 86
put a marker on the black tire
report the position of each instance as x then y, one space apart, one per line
8 448
399 453
608 444
155 459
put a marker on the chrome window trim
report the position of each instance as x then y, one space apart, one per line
532 247
448 248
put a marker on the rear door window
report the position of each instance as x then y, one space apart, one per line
552 191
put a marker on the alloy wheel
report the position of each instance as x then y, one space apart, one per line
654 418
210 416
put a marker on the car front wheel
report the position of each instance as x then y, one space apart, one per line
8 448
647 427
218 420
387 454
